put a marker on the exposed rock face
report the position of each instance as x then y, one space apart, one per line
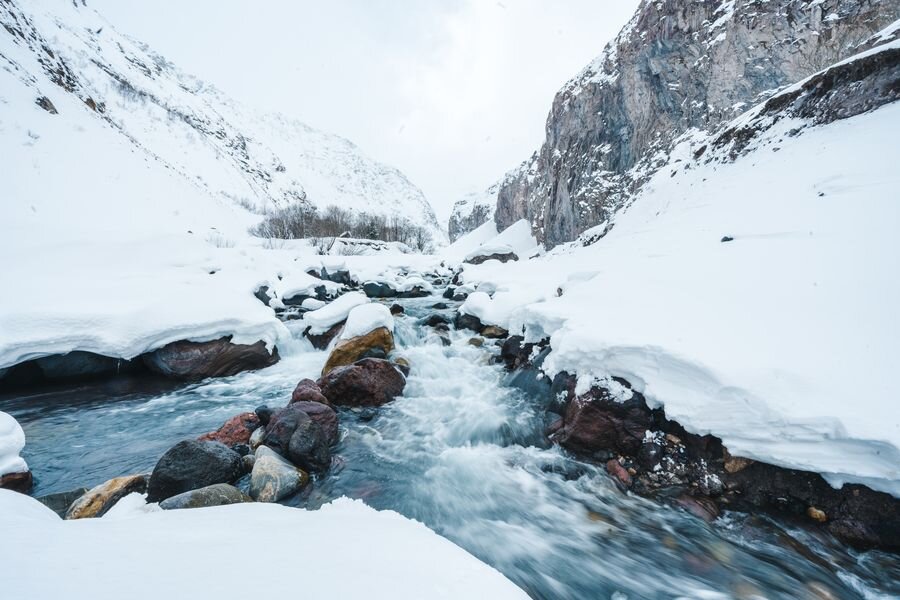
273 478
218 358
368 382
347 352
236 430
676 65
97 501
472 211
218 494
190 465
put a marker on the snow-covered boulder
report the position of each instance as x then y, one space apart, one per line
368 332
14 473
321 320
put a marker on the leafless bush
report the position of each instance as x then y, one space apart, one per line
301 220
219 241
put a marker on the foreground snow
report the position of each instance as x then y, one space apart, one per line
343 550
783 342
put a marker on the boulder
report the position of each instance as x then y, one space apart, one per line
416 291
264 413
273 478
308 390
347 352
61 501
402 363
464 321
98 500
368 382
620 473
494 332
448 293
236 430
321 341
256 439
502 255
17 482
434 320
476 341
217 494
378 289
303 432
191 465
218 358
397 309
262 294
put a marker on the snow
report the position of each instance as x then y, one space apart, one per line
12 440
517 238
126 228
459 249
782 342
365 318
312 304
334 312
488 249
348 549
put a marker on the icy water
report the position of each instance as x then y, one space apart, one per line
464 453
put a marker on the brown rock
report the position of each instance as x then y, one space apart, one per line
476 341
308 391
368 382
735 464
236 430
347 352
494 332
816 514
17 482
303 432
97 501
597 421
218 358
614 468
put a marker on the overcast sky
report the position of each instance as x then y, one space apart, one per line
452 92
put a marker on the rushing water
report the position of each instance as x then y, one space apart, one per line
465 454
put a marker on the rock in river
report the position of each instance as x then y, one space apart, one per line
303 432
217 358
368 382
97 501
217 494
190 465
347 352
273 478
236 430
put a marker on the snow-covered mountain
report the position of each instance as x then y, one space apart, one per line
69 79
674 67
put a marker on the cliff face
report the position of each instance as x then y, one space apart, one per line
675 66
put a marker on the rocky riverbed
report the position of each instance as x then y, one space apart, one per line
451 423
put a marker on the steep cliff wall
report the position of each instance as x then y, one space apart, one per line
676 65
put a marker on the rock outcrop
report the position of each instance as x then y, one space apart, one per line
675 66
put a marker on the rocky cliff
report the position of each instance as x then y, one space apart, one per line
675 66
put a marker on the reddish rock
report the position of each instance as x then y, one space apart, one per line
615 469
17 482
236 430
217 358
699 506
308 391
368 382
303 432
597 421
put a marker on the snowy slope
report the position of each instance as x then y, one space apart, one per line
343 550
783 341
105 84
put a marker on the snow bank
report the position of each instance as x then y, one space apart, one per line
323 319
459 249
12 440
347 549
783 341
365 318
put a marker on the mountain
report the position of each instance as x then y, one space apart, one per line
676 66
63 67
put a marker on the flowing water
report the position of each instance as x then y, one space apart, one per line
464 453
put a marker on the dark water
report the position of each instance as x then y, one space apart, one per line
463 453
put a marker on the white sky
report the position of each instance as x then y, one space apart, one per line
453 92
